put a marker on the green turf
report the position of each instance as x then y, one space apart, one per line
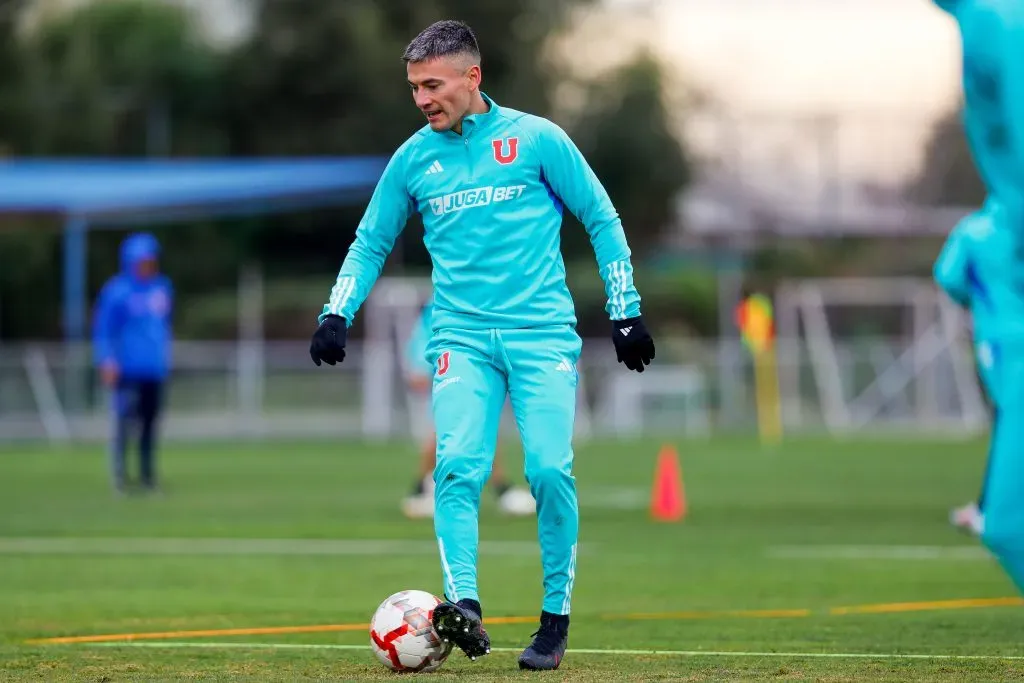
744 504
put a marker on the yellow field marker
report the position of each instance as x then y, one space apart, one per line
876 608
896 607
212 633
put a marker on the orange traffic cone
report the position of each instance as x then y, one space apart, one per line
668 499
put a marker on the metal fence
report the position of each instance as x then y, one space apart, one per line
223 390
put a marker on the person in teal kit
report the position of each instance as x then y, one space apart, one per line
979 269
512 500
992 35
975 268
490 183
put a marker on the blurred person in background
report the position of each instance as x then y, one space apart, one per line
512 500
979 269
132 351
491 184
991 278
972 256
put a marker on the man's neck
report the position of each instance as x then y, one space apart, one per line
478 105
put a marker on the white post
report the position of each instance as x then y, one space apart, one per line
378 369
789 347
923 313
251 362
822 350
44 391
974 413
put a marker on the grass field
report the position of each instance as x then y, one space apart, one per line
820 561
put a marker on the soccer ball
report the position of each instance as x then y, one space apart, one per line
402 636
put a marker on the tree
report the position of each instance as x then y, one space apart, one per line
625 133
948 175
323 78
12 113
121 77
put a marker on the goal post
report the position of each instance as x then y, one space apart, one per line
883 353
389 314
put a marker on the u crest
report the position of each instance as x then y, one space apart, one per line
506 150
442 363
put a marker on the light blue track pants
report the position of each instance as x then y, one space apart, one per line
474 370
1003 505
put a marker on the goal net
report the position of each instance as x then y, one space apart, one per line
859 354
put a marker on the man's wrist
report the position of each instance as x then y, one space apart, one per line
626 322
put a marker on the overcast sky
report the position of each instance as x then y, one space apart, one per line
888 61
800 54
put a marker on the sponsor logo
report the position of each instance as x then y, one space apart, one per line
470 199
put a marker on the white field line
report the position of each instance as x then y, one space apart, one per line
341 547
244 546
952 553
614 498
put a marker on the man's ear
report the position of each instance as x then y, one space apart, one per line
475 75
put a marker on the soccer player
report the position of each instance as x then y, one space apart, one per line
132 350
976 269
512 500
992 36
490 183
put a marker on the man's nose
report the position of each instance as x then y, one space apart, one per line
423 100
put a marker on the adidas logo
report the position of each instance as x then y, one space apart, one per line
564 366
435 167
625 331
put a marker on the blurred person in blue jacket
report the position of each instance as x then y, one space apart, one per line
132 350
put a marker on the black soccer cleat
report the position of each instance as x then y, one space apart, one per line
462 626
549 642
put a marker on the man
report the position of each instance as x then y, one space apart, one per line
992 33
490 183
976 269
132 349
512 500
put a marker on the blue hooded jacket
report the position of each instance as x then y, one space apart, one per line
132 317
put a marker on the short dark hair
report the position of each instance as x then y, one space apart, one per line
446 38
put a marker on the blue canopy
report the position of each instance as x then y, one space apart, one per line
98 189
106 192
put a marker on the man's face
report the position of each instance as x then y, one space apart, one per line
147 268
443 90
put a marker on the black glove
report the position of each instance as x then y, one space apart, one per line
328 343
633 343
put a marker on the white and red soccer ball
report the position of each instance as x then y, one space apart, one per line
402 636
